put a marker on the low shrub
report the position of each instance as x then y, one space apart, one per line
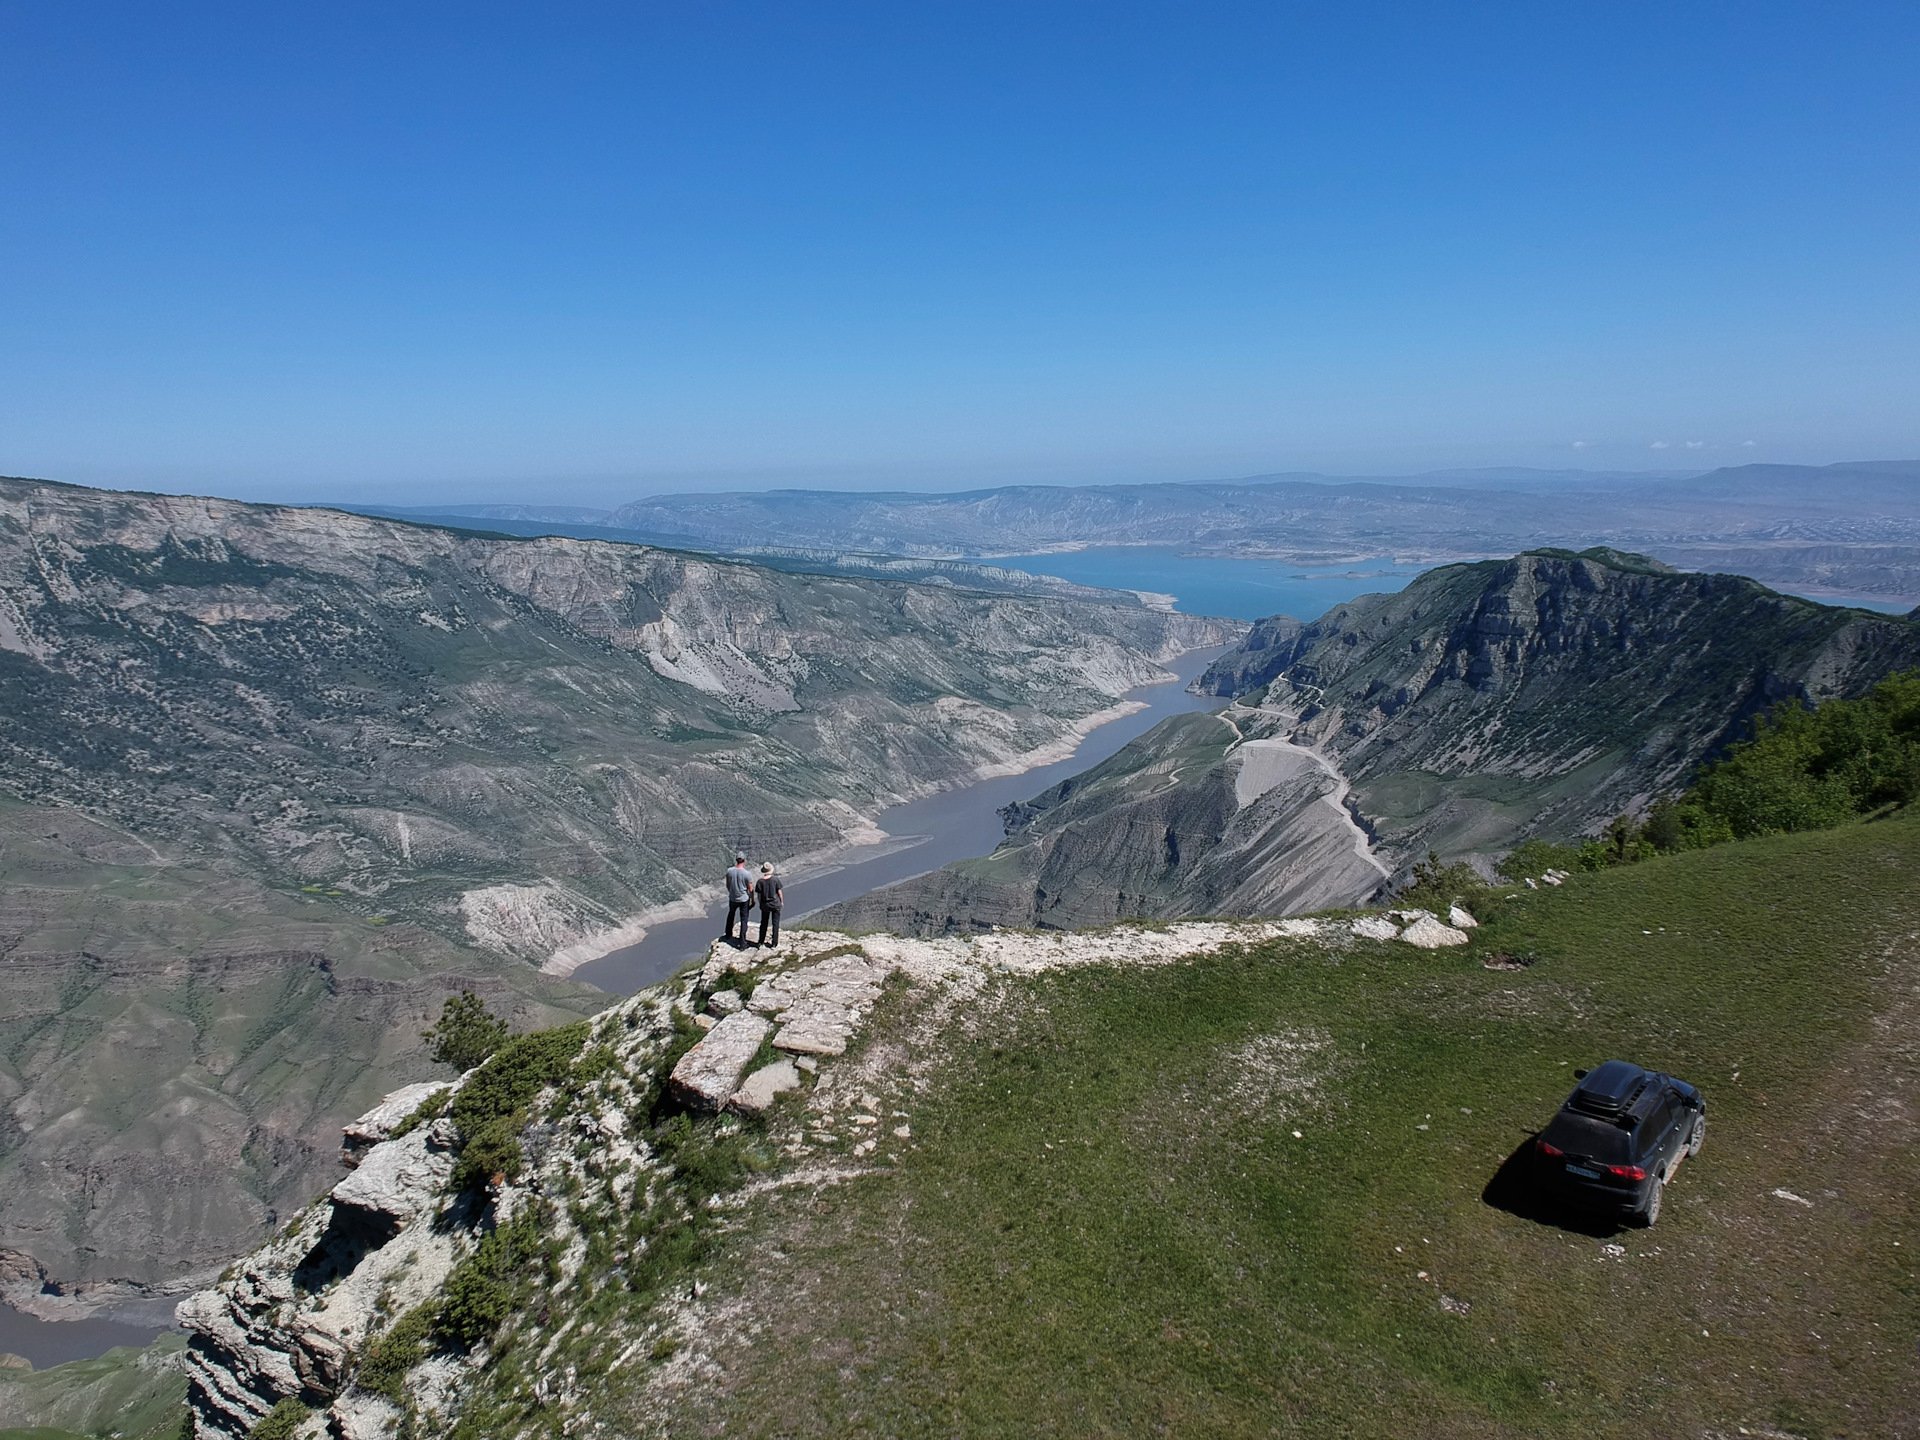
466 1034
485 1287
491 1107
387 1361
280 1422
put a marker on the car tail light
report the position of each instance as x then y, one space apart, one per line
1552 1151
1626 1172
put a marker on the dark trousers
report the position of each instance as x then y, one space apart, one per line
768 918
739 908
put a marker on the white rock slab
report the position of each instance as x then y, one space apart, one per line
1375 927
820 1006
359 1136
400 1178
725 1002
761 1088
1430 934
1461 920
710 1072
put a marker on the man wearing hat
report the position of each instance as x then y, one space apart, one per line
768 892
739 897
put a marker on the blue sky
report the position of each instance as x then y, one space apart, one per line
580 252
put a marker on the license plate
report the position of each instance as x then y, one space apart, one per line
1582 1170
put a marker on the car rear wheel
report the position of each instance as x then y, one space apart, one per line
1699 1136
1652 1211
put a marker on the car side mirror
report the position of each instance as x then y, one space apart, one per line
1580 1074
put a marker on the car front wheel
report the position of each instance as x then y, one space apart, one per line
1699 1136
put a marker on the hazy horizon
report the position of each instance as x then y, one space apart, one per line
610 494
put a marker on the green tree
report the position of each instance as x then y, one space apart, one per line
466 1033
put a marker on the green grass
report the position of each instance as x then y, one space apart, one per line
114 1392
1094 1236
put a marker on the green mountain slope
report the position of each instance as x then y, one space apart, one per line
1509 675
1076 1184
132 1394
1107 1224
1543 694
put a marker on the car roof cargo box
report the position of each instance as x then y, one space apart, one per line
1610 1089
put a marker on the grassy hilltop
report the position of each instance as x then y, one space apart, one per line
1268 1190
1109 1227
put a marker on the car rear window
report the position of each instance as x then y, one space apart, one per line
1584 1135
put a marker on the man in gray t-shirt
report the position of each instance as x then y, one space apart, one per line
739 898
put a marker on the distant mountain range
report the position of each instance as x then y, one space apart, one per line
1851 528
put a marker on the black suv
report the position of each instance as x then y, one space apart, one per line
1621 1135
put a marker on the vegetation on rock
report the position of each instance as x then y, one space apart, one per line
466 1033
1803 768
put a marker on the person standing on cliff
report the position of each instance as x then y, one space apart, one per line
767 891
739 898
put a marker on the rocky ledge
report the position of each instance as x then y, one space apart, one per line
380 1308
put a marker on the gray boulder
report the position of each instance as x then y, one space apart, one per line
397 1179
710 1072
764 1086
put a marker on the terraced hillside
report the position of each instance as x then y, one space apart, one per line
273 781
516 742
1255 1179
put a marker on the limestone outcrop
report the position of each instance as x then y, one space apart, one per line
361 1135
709 1073
389 1263
397 1179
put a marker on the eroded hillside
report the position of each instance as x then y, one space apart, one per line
273 781
1544 694
517 741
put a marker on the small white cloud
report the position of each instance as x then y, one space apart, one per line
1659 445
1748 444
1696 444
1583 444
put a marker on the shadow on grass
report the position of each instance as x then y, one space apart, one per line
1520 1188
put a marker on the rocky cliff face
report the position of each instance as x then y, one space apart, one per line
273 781
1204 815
1550 691
1486 702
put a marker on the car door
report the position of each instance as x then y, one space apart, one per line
1657 1134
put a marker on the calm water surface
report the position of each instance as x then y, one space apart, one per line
54 1342
1212 585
